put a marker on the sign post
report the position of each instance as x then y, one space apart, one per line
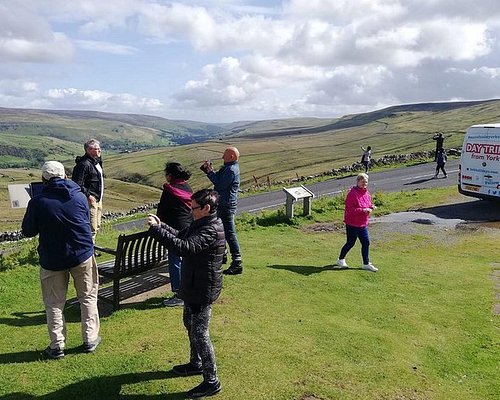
297 193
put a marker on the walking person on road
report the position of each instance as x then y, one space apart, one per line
174 209
358 207
366 157
441 159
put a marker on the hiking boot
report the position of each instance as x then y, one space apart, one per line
186 369
91 346
370 267
341 264
204 389
173 301
54 354
235 268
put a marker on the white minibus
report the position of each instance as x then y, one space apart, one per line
479 174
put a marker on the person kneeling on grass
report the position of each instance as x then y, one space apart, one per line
358 207
202 247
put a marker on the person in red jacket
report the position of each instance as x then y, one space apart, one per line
358 207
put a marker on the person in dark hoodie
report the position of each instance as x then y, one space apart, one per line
88 174
174 209
59 215
202 247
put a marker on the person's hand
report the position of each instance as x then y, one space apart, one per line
153 220
367 210
92 199
207 165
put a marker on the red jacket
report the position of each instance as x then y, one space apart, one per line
356 200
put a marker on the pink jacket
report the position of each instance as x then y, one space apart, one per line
356 200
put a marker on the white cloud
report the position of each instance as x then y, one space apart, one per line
249 57
106 47
97 99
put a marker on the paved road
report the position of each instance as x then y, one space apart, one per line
407 178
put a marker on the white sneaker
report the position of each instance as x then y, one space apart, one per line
370 267
342 264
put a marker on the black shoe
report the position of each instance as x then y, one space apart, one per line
235 268
91 346
186 370
54 354
204 389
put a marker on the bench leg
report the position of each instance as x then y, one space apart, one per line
116 294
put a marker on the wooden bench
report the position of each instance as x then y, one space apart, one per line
135 254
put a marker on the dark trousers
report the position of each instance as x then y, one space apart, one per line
196 320
353 233
226 214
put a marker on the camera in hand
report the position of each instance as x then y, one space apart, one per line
204 166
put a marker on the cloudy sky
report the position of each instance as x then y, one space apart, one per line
230 60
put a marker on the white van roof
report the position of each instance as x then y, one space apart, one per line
494 125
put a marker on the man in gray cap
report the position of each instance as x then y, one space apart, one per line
59 215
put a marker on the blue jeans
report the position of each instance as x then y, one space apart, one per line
226 214
353 233
174 270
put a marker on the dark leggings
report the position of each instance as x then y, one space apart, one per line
353 233
196 320
440 167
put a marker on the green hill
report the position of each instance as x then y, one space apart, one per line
272 150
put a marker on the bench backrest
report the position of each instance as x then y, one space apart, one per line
138 252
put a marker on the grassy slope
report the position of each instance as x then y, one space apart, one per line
270 149
290 327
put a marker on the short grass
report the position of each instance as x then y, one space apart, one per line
290 327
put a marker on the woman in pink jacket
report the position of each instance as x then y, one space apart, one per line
358 207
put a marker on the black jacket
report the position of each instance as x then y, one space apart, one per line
202 247
86 175
174 207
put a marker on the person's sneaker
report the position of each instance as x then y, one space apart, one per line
370 267
341 264
91 346
204 389
173 301
186 370
54 354
445 176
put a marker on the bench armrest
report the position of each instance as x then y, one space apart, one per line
105 250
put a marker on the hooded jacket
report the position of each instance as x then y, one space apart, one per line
60 215
174 207
356 200
202 248
86 175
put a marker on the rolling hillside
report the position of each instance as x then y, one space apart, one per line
271 150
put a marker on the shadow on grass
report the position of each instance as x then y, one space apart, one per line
312 269
104 387
304 269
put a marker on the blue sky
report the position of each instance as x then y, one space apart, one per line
231 60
